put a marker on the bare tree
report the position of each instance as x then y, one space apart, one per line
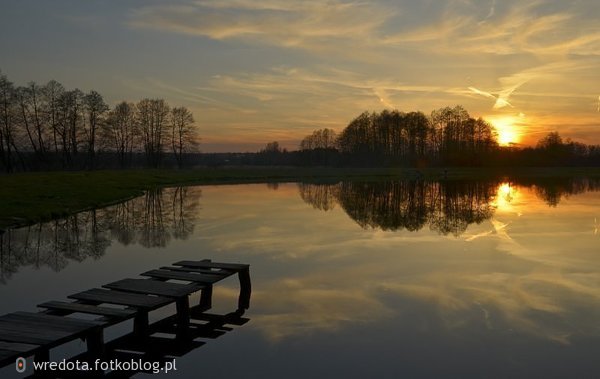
184 136
95 108
121 131
7 123
152 118
52 92
69 123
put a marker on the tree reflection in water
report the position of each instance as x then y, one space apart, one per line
151 220
447 207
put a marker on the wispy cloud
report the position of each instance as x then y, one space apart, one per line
357 56
305 24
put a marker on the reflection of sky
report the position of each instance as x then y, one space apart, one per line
517 295
532 274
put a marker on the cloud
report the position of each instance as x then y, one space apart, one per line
302 24
325 62
501 98
371 27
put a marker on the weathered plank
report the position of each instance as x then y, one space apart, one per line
89 309
34 334
207 271
122 298
18 347
208 264
154 287
190 277
7 354
9 351
68 324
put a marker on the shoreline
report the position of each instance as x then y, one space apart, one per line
29 198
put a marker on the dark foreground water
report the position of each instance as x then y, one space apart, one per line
365 280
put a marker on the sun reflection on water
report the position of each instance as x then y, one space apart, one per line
506 196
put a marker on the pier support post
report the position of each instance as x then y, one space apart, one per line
245 289
183 312
206 297
140 323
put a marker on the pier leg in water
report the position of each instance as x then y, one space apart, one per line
140 323
245 290
206 297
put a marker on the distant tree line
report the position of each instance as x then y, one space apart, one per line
50 127
448 137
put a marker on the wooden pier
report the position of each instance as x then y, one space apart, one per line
25 334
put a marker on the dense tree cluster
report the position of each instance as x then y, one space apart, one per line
449 135
49 126
319 139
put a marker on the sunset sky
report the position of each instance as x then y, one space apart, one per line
258 71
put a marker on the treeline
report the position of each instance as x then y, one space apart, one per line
51 127
551 150
393 138
447 137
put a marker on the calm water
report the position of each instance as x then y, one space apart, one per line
387 279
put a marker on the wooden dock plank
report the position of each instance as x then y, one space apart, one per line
18 347
122 298
154 287
208 264
68 324
191 277
223 273
89 309
32 334
8 354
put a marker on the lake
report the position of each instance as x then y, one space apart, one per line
382 279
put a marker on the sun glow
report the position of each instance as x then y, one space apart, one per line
507 130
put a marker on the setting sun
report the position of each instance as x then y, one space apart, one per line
507 130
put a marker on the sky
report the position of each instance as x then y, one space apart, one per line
259 71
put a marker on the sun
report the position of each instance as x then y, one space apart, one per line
507 130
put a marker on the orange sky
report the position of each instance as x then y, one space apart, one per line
257 71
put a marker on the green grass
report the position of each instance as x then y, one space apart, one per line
32 197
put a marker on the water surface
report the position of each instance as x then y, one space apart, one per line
353 279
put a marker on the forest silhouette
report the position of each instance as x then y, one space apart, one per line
47 127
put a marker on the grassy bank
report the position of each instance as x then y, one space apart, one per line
33 197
